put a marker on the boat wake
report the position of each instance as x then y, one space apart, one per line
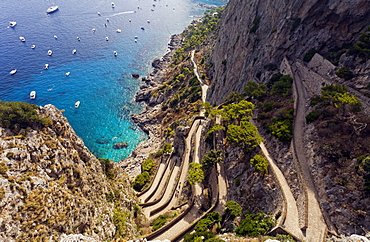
125 12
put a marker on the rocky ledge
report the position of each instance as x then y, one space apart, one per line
147 120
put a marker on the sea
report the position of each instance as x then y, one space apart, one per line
102 82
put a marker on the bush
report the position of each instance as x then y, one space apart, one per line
206 224
141 180
259 163
283 86
148 165
167 148
245 136
344 73
283 130
233 209
196 173
21 115
3 168
159 222
254 225
120 219
211 158
312 116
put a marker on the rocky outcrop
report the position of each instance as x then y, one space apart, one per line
52 185
256 33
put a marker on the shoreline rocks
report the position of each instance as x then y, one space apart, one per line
147 120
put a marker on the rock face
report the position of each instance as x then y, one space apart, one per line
50 185
256 33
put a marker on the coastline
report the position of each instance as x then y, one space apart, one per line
147 120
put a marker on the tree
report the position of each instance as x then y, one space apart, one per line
245 136
254 90
167 148
148 165
259 163
212 157
239 111
206 224
254 225
141 180
234 97
195 173
233 209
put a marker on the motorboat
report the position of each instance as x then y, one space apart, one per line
93 30
148 21
22 39
52 9
12 24
12 72
113 5
107 19
118 30
115 53
46 66
77 104
142 28
67 74
129 20
50 52
99 14
33 46
74 51
136 37
106 38
55 37
78 38
32 95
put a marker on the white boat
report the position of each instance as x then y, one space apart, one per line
32 95
142 28
106 38
148 21
99 14
52 9
118 30
67 74
50 52
107 19
33 46
77 104
12 72
93 30
115 53
129 20
55 37
46 66
22 39
78 38
74 51
113 5
12 24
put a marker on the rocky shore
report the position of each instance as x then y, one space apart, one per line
147 120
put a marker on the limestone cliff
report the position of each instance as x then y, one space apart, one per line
51 185
256 35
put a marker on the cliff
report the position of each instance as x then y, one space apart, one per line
255 36
51 185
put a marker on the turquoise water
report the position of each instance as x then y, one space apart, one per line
99 80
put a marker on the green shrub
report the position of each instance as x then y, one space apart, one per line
233 209
344 73
283 86
167 148
159 222
254 225
195 173
201 236
148 165
212 157
259 163
312 116
141 180
233 97
206 224
2 194
120 219
282 129
3 167
245 136
237 181
255 90
22 115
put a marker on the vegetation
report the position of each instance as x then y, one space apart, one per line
206 224
364 166
254 225
20 115
245 136
120 219
238 111
233 209
362 47
148 165
256 24
196 173
255 90
141 180
201 236
211 158
233 97
259 163
197 35
3 167
108 168
159 222
344 73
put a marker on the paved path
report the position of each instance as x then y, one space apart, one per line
316 226
203 85
155 183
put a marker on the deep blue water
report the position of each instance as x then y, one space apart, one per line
100 81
